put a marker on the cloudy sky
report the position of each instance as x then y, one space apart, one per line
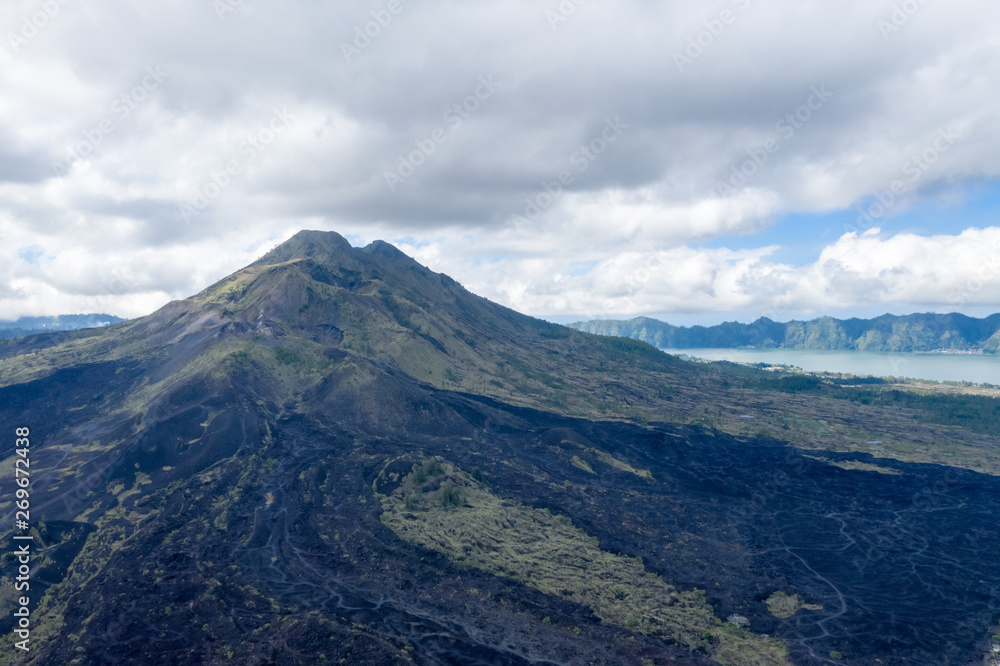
697 161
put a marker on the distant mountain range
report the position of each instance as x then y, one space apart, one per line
338 456
31 325
888 333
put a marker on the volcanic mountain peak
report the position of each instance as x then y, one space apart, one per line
326 247
335 253
311 268
335 452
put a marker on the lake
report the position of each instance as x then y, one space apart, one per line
978 368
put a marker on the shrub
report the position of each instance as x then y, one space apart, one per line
428 470
451 497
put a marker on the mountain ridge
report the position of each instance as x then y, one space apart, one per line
275 470
921 332
24 326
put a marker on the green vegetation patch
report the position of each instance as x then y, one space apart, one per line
442 508
579 463
853 464
605 458
784 606
636 353
978 413
609 459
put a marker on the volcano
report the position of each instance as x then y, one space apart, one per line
338 456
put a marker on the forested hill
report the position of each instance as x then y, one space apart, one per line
908 333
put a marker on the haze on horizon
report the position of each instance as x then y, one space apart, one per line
698 162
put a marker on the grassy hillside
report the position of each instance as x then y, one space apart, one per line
336 455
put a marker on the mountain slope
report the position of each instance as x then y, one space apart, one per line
888 333
336 455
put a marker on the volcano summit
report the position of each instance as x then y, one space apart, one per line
338 456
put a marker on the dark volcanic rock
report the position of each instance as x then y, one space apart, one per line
206 476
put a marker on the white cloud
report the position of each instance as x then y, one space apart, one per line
653 187
922 272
